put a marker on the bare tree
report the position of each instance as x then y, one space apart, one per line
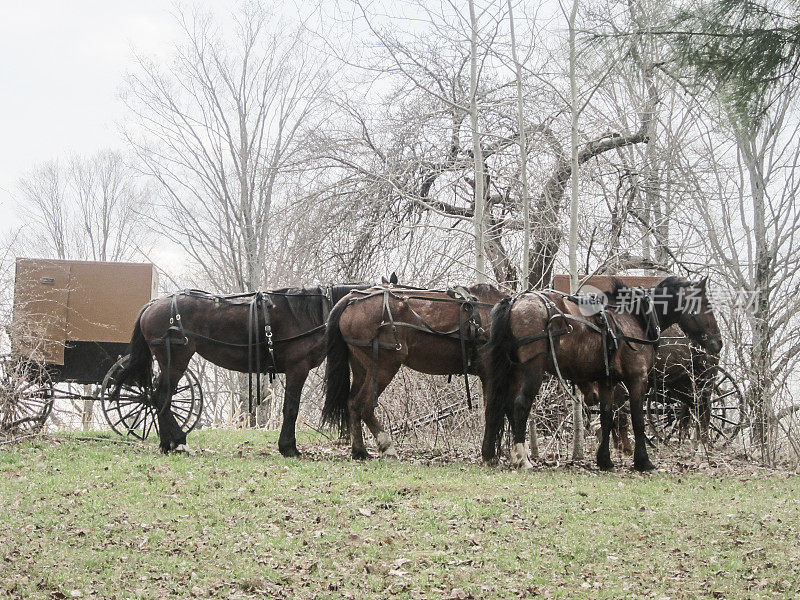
221 130
749 214
577 403
88 208
477 148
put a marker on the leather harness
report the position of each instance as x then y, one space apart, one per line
259 301
607 326
469 332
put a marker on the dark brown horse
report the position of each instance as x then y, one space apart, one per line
230 331
684 377
617 344
374 332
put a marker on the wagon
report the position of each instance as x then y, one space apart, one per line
71 325
685 379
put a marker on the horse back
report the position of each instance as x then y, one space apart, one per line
419 327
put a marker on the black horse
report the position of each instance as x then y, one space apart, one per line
277 331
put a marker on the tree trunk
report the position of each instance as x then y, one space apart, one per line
87 411
523 160
577 403
759 391
477 150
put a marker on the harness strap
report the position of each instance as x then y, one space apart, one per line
265 305
250 355
467 330
652 324
553 312
193 334
175 326
368 344
464 359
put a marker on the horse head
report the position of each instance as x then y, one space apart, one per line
689 305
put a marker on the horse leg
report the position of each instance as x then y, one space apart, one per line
384 441
360 394
606 393
621 438
622 432
521 411
636 388
295 379
171 435
704 401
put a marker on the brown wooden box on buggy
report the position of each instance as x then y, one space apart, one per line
76 317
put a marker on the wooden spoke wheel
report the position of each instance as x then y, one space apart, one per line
727 408
26 396
133 413
664 415
670 414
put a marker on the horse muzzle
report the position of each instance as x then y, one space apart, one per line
713 343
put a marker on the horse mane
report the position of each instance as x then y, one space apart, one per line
673 281
340 291
617 286
305 304
623 294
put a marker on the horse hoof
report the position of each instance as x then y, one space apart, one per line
182 449
490 462
290 452
361 455
644 466
385 443
605 465
519 457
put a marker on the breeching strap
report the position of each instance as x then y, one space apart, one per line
466 332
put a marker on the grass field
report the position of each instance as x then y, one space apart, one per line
97 519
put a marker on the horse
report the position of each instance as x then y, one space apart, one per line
617 345
276 331
374 332
683 373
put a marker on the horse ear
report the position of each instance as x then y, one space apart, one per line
384 281
393 278
702 283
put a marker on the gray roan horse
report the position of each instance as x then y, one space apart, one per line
538 332
232 332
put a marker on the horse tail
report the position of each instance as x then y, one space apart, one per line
337 372
140 366
500 350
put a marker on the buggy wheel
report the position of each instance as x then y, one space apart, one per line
133 413
727 408
664 416
26 396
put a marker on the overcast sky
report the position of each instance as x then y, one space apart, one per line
61 66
